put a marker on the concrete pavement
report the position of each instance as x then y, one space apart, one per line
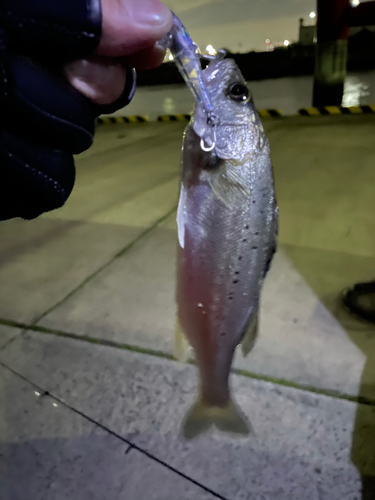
87 308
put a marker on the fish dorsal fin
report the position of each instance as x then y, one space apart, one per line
228 186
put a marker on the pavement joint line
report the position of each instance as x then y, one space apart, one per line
91 340
105 265
10 341
331 393
131 445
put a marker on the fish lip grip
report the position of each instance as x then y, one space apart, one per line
187 58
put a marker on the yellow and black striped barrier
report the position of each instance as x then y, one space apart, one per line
173 118
337 110
108 120
263 113
270 113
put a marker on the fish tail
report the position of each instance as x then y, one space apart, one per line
228 418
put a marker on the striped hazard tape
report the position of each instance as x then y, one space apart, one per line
264 113
337 110
174 118
108 120
270 113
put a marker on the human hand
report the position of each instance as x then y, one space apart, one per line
45 121
130 31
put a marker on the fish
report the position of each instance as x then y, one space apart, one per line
227 223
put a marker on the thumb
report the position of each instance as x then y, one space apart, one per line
101 79
130 26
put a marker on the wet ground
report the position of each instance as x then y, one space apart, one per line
90 398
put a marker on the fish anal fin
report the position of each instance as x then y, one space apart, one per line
250 334
181 346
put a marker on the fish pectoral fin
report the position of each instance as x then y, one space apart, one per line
229 418
250 335
181 346
181 216
228 186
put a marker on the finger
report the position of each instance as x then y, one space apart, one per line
146 59
130 26
100 79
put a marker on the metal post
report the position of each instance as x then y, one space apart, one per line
331 52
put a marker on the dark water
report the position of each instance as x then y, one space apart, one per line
287 94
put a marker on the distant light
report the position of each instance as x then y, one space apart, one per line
312 15
37 393
286 43
54 404
355 3
170 57
268 41
210 50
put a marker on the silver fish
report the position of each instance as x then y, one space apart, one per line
227 229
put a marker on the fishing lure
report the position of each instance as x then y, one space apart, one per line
188 61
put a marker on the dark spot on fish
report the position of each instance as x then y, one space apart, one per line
253 201
237 272
244 241
235 281
222 334
254 248
256 234
230 298
240 257
247 226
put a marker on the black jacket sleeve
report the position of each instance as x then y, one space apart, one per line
44 121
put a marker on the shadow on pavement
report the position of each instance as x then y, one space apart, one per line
327 273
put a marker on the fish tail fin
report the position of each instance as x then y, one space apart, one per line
228 418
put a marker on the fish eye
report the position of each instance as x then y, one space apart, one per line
238 92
